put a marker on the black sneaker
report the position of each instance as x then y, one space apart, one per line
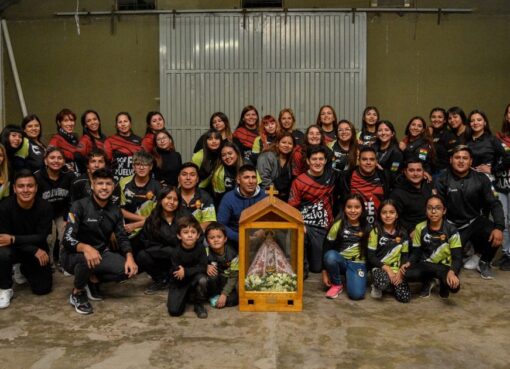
81 303
200 310
444 291
427 288
93 292
156 286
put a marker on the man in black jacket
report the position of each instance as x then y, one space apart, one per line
25 222
410 195
88 252
468 193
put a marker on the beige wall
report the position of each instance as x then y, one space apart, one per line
414 64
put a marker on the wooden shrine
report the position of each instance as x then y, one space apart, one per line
271 244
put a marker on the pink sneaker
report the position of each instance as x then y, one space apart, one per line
334 291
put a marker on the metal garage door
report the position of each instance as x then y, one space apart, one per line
224 61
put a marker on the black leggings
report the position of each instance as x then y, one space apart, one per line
382 282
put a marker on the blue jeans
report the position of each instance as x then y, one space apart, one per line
355 274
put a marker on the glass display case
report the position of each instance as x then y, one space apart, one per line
271 241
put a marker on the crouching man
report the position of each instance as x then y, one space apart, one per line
25 222
88 252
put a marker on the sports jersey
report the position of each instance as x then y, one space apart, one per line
138 200
443 141
201 206
120 150
329 136
387 249
346 240
438 247
313 197
502 181
367 138
90 142
373 189
487 149
73 151
340 158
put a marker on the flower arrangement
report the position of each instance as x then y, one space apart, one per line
276 282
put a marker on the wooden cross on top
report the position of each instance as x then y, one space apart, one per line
272 191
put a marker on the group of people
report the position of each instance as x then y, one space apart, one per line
105 209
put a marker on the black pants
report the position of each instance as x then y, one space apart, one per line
215 286
157 265
424 272
110 269
478 233
314 239
39 277
180 292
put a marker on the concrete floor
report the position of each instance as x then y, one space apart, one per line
131 330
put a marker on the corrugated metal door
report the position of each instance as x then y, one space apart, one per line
222 62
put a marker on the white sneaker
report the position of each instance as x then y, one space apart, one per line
5 298
18 277
376 293
472 262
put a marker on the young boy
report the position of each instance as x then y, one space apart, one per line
223 268
189 267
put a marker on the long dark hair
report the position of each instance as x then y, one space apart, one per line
210 158
84 125
486 129
224 118
399 230
505 127
364 123
155 153
363 222
27 120
245 110
153 223
352 154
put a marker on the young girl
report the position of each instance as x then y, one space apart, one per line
155 123
344 251
327 121
246 132
207 158
388 245
92 137
4 173
274 166
120 147
368 133
269 131
287 121
168 161
345 148
67 141
389 156
442 138
225 174
502 185
436 252
32 130
418 144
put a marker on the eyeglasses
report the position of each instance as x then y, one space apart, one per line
433 209
141 165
